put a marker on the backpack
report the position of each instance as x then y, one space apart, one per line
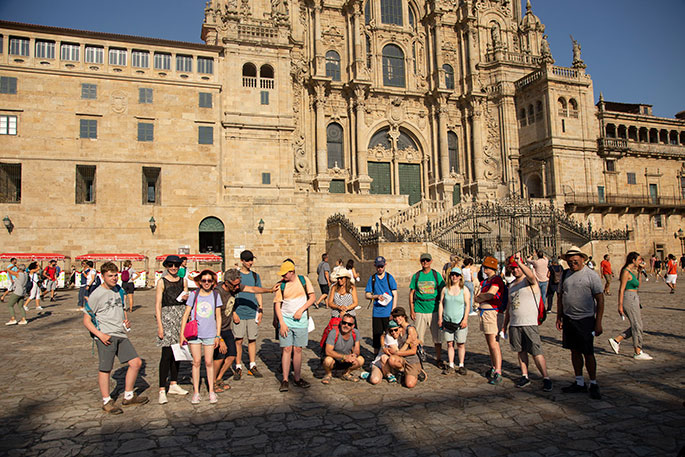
373 285
125 275
28 285
302 281
337 334
91 313
96 283
556 273
415 280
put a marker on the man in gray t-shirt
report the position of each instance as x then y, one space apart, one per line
342 350
323 272
580 308
106 306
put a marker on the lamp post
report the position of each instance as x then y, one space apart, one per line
260 226
429 229
680 234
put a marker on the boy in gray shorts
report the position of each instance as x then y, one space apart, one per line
106 306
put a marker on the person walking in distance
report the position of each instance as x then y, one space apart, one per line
323 273
541 269
629 306
51 272
12 271
580 307
671 272
607 274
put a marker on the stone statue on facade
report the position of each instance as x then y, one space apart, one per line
577 61
279 10
545 51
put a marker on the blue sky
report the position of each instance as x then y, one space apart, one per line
634 49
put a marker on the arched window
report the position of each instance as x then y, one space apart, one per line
563 107
538 111
381 138
653 136
334 143
610 131
449 77
406 142
367 12
531 114
333 65
249 75
393 66
663 136
644 135
622 132
573 108
453 151
391 12
632 133
522 117
673 137
266 77
412 18
368 52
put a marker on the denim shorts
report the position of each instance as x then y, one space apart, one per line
203 341
298 337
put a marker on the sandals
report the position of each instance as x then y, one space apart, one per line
326 379
349 377
219 386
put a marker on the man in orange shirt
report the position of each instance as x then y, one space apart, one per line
671 272
607 274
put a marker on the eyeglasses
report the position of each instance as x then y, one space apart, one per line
206 281
348 323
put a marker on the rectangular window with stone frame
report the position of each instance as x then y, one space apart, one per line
10 182
146 131
89 91
88 128
85 184
8 85
152 189
205 100
144 95
205 134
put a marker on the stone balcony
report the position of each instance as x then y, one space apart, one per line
594 203
617 147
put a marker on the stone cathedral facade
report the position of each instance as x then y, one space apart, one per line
291 111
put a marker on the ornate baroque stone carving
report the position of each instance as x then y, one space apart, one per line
491 149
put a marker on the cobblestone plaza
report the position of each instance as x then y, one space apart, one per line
51 407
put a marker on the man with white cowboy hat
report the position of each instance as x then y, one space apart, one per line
580 307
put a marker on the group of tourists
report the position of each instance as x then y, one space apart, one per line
510 300
29 283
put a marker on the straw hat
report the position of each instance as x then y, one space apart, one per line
574 250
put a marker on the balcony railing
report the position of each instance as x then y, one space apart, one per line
641 201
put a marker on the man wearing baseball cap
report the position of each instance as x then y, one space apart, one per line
425 290
247 316
379 287
491 311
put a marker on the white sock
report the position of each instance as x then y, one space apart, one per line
128 395
451 364
580 381
525 375
593 381
238 366
253 364
106 399
461 364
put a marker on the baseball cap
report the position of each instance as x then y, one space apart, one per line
286 267
426 256
246 255
379 262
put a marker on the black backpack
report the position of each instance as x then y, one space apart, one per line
28 285
95 284
415 280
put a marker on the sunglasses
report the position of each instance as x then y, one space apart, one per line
206 281
348 323
425 260
175 265
394 330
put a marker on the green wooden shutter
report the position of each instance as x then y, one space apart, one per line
380 173
410 181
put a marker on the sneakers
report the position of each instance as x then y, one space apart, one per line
547 385
364 375
574 388
11 322
135 400
523 381
302 384
213 399
462 371
39 309
441 364
110 408
23 322
391 378
26 308
284 386
196 399
162 398
237 374
496 379
615 345
177 390
594 392
490 373
422 376
254 372
448 370
642 356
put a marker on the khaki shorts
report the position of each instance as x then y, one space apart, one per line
245 328
491 322
424 320
412 369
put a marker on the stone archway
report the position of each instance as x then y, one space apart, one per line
211 237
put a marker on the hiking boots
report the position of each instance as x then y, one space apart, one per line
110 408
254 372
462 371
302 384
284 386
135 400
237 374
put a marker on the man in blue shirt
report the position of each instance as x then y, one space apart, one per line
382 289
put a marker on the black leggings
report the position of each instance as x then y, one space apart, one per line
167 364
380 326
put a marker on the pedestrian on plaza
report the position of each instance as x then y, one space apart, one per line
107 322
323 272
382 289
424 296
247 315
88 275
128 276
580 307
183 269
34 277
652 260
554 274
229 289
657 268
541 269
18 292
629 306
607 274
51 273
379 367
12 271
342 301
405 360
491 311
682 262
521 317
671 273
342 350
294 296
591 263
202 304
350 266
468 271
453 319
170 300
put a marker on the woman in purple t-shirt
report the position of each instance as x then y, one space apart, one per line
202 304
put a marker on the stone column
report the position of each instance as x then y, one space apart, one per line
477 122
438 51
363 179
358 40
442 136
321 153
318 44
